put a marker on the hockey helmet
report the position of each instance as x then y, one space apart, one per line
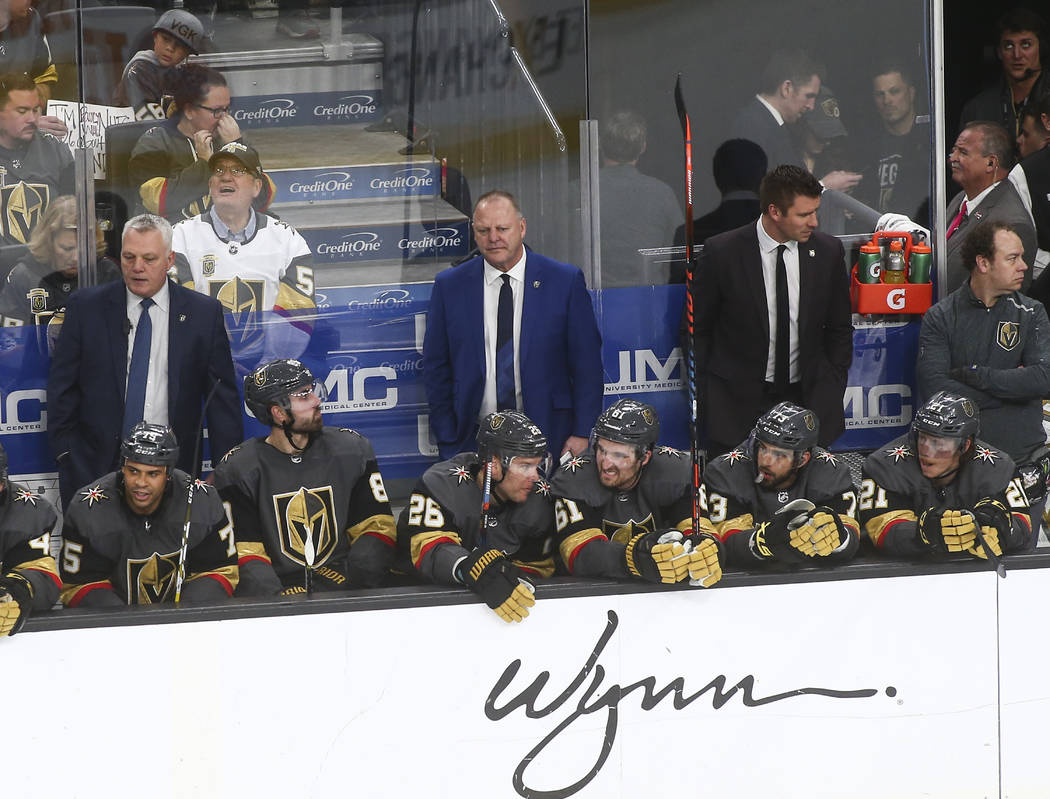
788 426
629 421
948 415
183 26
151 444
506 434
271 383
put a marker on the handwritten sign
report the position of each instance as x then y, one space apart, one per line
86 126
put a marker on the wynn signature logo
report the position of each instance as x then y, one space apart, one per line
594 698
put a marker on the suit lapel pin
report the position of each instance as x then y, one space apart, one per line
182 317
535 284
812 253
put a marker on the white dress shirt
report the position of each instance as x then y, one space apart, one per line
493 284
767 247
156 407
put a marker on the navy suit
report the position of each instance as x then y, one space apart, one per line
560 353
85 388
732 333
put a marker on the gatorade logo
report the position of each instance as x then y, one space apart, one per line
895 299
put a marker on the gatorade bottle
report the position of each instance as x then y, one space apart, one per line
896 270
921 258
869 265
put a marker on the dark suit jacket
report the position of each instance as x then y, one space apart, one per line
560 352
85 388
755 123
1002 203
732 333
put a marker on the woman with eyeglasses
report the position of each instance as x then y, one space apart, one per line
170 161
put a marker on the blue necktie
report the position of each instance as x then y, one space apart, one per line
505 393
135 399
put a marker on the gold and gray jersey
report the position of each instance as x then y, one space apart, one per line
330 495
30 178
442 522
109 547
26 523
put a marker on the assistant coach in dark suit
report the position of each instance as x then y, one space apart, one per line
741 371
556 375
90 369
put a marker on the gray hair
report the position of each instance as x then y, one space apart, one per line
143 223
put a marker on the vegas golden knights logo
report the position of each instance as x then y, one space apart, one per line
152 580
37 301
21 206
623 532
1009 335
306 511
243 299
208 265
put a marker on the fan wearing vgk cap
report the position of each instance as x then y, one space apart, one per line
308 501
483 520
28 574
122 534
939 489
623 507
257 266
778 498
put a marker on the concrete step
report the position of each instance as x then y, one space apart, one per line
399 229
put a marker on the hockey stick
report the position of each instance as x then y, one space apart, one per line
180 575
486 501
309 555
690 277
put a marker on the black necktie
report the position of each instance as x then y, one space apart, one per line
505 394
782 368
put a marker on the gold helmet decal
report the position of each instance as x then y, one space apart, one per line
497 421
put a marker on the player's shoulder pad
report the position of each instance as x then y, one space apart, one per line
229 455
668 475
991 467
730 468
98 494
577 479
828 472
894 465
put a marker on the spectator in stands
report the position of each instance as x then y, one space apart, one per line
1031 178
42 281
1035 128
1018 41
123 535
738 166
257 266
24 50
169 163
778 498
637 211
36 166
980 162
939 489
150 74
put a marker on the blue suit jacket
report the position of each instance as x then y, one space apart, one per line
560 353
85 388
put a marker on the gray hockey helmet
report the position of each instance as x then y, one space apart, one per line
271 383
628 421
506 434
151 444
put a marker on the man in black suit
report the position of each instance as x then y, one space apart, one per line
142 349
776 269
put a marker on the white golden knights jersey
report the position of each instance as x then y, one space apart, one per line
442 522
112 555
30 179
589 517
734 504
331 494
26 523
894 493
265 284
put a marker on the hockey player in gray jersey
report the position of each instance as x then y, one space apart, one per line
28 574
123 533
307 501
484 520
939 489
779 498
623 508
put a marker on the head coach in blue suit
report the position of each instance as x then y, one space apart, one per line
145 348
511 329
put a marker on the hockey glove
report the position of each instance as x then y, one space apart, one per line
948 531
492 576
705 559
818 535
772 540
16 598
658 557
994 521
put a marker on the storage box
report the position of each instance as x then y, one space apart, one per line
883 298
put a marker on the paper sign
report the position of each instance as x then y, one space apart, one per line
86 126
